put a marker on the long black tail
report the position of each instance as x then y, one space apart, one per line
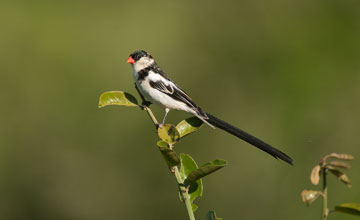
248 138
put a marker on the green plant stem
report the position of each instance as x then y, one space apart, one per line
325 213
151 115
184 194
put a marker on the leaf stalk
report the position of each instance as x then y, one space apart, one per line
184 193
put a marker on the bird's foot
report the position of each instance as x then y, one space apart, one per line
159 125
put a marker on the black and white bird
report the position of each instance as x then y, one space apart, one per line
156 87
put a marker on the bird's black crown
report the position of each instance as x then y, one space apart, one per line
139 54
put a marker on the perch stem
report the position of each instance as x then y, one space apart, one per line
184 194
151 115
325 211
182 189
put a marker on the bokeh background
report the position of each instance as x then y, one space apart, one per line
285 71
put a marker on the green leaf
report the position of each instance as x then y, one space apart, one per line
206 169
162 144
349 208
211 215
194 207
341 176
170 156
169 133
189 126
117 98
187 166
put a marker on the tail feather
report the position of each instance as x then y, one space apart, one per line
248 138
205 120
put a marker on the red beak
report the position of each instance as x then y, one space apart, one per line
130 60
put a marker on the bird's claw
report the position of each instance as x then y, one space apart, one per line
159 125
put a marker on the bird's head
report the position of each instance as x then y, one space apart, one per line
140 59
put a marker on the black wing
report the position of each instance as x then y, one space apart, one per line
176 93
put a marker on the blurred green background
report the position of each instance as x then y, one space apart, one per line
285 71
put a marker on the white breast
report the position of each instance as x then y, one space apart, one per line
158 97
